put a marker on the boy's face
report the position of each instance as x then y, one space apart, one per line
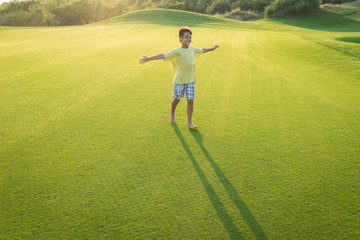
185 39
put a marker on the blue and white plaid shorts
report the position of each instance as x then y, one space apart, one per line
180 90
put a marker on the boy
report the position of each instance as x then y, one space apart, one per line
184 66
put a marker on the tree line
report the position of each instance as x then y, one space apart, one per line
60 12
75 12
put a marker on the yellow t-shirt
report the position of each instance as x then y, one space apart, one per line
183 62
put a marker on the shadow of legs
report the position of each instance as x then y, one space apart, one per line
215 200
240 204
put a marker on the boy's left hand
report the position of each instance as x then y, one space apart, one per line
205 50
143 60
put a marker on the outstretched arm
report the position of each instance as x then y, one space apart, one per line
147 59
205 50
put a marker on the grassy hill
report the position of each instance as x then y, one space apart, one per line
350 10
87 150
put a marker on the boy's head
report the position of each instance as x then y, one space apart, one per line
183 30
184 34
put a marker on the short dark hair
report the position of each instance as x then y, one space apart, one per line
183 30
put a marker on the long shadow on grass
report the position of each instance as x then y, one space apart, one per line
215 200
240 204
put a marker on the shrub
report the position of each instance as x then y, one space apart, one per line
219 7
284 8
238 14
253 5
336 1
38 16
200 8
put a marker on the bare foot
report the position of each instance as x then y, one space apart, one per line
172 118
192 126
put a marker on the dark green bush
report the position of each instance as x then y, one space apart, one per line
336 1
221 7
253 5
285 8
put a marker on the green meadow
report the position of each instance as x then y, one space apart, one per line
87 150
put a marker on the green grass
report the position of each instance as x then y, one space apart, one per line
87 150
330 30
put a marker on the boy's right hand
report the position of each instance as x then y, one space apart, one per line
143 60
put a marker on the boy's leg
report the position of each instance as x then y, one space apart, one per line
178 93
190 95
190 109
174 103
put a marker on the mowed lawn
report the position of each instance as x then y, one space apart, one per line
87 150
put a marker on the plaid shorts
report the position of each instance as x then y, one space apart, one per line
180 90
